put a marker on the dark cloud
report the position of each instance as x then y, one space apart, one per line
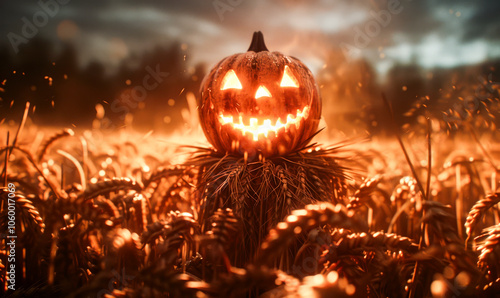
484 23
304 28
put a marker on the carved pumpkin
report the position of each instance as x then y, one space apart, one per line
259 102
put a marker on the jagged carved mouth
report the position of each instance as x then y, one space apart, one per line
266 125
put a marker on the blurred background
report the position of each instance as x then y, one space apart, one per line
109 64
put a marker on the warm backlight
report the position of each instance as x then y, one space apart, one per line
266 126
288 79
230 81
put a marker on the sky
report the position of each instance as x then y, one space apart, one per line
432 33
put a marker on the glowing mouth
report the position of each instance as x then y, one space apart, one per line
257 129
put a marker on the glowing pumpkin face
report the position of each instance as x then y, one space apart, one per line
259 102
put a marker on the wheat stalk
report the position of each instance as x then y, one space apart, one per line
477 212
344 242
363 193
45 147
110 185
303 220
488 257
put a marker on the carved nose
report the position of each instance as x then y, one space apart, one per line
262 92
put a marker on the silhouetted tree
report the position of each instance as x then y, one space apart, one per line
65 93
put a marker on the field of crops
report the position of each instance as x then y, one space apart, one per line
130 214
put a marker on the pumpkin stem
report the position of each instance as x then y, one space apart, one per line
257 44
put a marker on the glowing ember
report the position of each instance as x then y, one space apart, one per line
257 129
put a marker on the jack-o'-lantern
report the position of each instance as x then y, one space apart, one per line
259 102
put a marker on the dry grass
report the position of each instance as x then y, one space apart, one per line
126 217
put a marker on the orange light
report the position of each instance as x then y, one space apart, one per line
257 129
230 81
289 79
262 92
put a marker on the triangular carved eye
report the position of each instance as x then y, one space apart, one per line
230 81
288 79
262 92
